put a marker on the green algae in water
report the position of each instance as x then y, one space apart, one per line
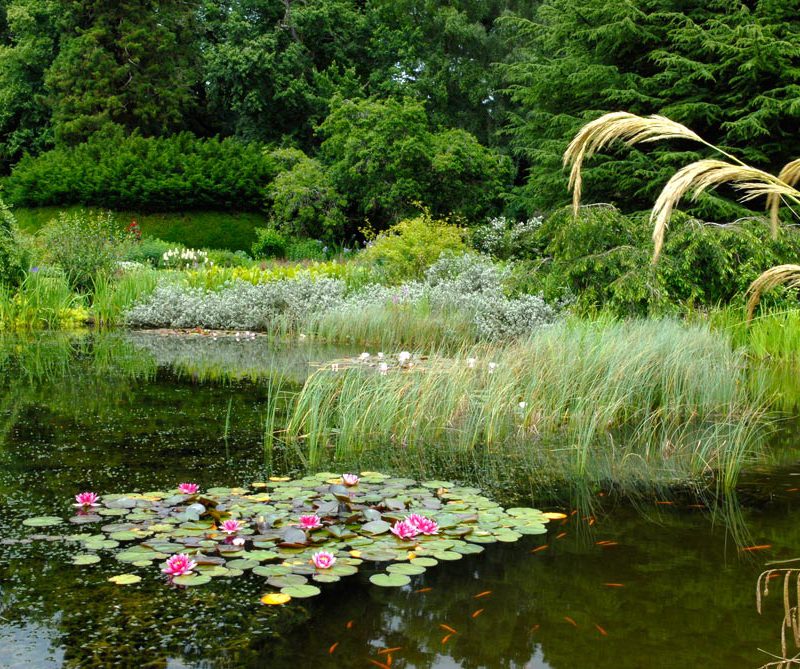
284 527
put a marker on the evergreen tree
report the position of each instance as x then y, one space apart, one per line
132 63
729 69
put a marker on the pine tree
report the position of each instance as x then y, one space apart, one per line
131 63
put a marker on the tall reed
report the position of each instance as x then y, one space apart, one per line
635 400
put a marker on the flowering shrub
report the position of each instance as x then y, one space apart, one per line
501 237
178 258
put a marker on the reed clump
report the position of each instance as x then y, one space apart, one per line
630 401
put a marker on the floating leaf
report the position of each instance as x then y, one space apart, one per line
85 559
42 521
389 580
407 569
286 580
192 579
125 579
301 591
376 527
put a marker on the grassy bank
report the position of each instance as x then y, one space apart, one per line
631 402
195 229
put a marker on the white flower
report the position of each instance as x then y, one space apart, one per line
380 355
492 367
384 368
364 356
238 541
335 367
404 357
302 337
522 405
471 363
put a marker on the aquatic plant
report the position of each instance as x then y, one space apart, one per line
179 565
384 519
790 626
632 400
84 499
188 488
350 479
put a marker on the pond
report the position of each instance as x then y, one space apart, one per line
664 581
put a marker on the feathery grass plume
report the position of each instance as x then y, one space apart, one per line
790 175
702 175
628 128
786 275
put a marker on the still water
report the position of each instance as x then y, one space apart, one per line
664 582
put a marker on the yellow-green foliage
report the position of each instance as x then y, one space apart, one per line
41 302
408 248
213 278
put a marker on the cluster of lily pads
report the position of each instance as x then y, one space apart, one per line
296 534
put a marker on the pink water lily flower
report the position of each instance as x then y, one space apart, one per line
188 488
310 522
423 524
403 529
231 526
179 565
86 499
323 560
350 479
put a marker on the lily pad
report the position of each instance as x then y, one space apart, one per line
192 579
85 559
42 521
125 579
389 580
301 591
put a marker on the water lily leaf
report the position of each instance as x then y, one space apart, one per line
42 521
85 559
437 484
125 579
294 536
272 570
262 556
286 580
192 579
424 561
275 598
301 591
242 564
468 549
325 578
389 580
87 518
125 536
447 555
376 527
142 563
407 569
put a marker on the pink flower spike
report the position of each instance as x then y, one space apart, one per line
310 522
86 499
350 479
179 565
323 560
403 529
231 526
188 488
423 524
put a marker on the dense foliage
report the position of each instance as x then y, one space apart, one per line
130 172
13 259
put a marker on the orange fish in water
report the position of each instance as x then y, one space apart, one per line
665 503
570 621
750 549
482 594
385 651
561 535
448 628
424 590
601 630
332 648
475 614
614 585
540 548
535 628
379 664
607 542
349 624
446 638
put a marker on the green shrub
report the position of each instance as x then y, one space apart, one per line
84 245
148 250
154 174
306 249
225 258
269 244
408 248
303 199
603 258
13 257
